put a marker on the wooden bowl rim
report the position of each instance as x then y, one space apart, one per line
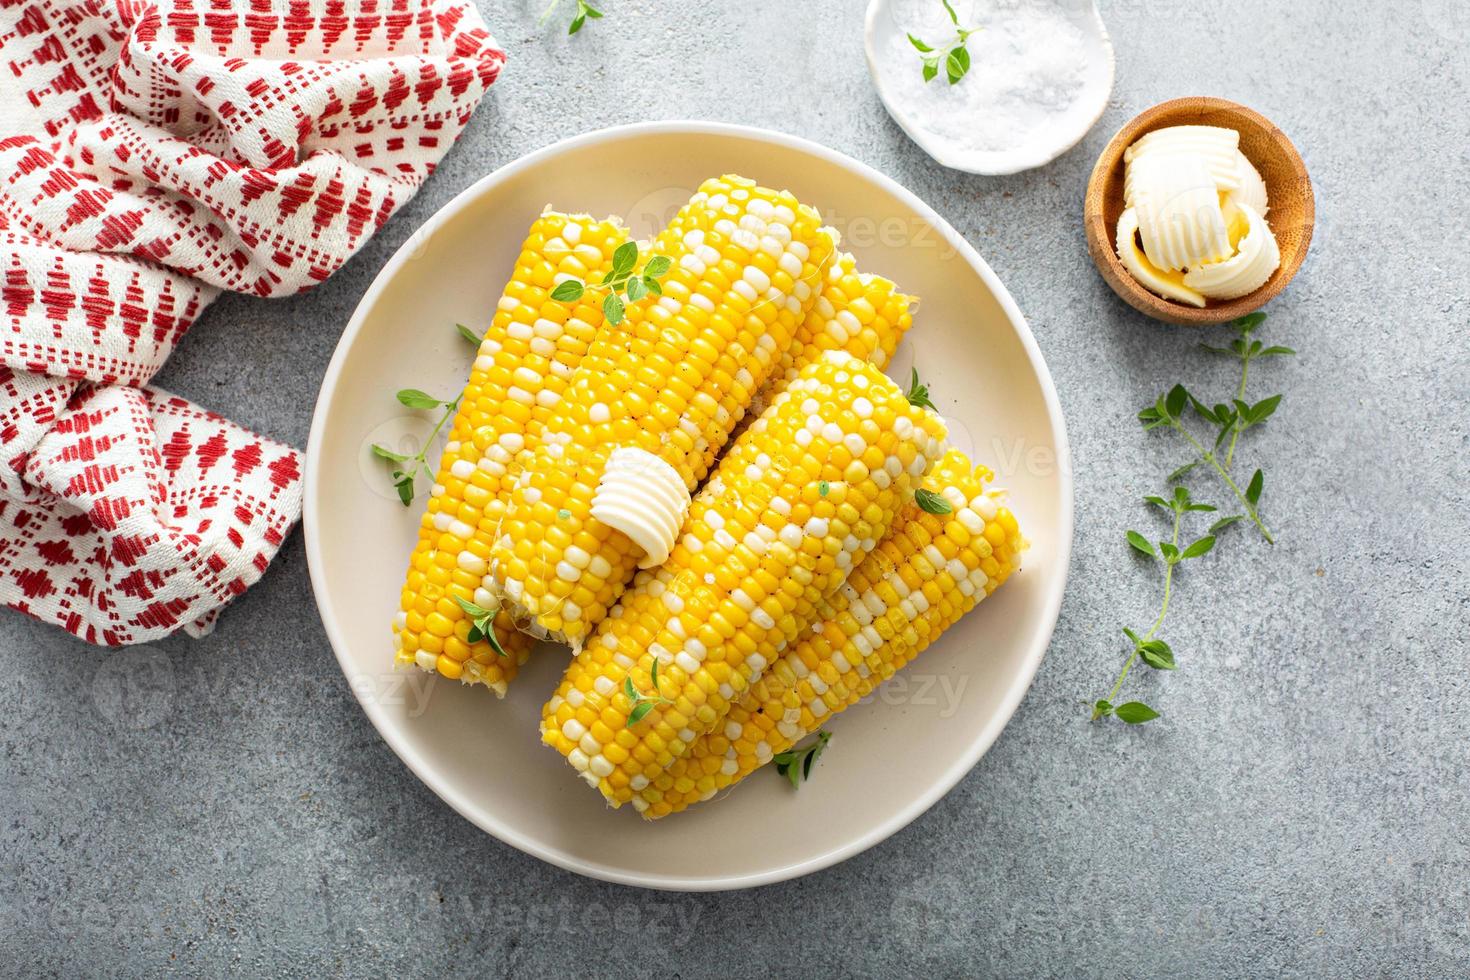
1100 239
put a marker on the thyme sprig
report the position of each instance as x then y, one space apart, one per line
406 468
918 393
1230 420
954 54
622 283
644 703
1154 651
482 624
932 502
796 762
584 12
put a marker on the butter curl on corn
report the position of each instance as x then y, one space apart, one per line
519 377
672 380
929 570
797 500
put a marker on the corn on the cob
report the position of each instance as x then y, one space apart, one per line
804 493
928 572
672 380
860 313
521 373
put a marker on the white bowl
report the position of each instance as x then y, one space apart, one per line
1044 131
888 762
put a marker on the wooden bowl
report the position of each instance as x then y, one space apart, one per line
1289 189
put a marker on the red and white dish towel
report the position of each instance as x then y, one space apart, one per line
151 155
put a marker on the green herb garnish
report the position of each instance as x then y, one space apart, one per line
954 55
918 393
469 334
620 279
1154 651
585 11
796 762
932 502
406 468
414 398
1230 420
644 703
482 624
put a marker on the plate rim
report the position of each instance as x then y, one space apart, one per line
921 803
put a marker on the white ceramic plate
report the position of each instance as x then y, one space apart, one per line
890 759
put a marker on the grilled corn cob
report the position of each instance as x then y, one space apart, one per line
804 493
520 375
929 571
672 381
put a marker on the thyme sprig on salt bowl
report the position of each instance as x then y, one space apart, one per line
954 54
1022 82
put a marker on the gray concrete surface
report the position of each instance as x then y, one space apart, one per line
224 807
